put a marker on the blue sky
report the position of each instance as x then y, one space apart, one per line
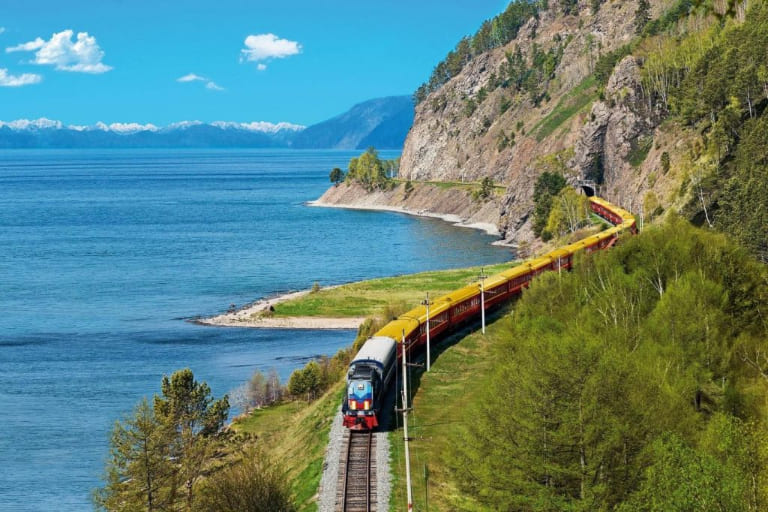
304 62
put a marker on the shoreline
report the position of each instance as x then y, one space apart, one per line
488 228
256 316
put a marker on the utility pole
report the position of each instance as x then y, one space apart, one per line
427 303
405 428
482 277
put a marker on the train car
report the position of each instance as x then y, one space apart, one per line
372 369
368 378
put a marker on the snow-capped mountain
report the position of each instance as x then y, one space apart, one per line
48 133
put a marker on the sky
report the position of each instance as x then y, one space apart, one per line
163 61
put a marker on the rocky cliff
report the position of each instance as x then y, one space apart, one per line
478 124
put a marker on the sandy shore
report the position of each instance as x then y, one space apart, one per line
256 315
489 228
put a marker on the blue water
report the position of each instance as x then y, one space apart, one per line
103 254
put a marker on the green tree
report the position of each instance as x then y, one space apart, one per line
139 469
548 184
642 15
306 381
336 176
682 479
191 418
369 170
569 212
253 484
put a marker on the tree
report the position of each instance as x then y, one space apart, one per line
191 418
548 184
683 479
273 389
253 484
306 381
336 176
642 15
369 170
139 469
569 212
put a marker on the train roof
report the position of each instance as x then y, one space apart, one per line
627 218
379 348
395 328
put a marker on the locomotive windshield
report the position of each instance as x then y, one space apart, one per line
360 390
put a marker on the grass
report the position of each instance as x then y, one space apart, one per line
296 434
370 297
442 407
569 105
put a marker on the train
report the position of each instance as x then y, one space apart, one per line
371 370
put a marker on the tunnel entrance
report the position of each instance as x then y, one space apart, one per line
589 187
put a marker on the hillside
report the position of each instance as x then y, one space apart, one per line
381 122
603 90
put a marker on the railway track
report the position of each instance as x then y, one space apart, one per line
357 473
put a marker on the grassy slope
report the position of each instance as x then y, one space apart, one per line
296 433
580 97
371 297
441 408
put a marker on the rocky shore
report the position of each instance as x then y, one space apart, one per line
451 204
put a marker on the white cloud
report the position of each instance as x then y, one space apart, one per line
267 46
190 77
82 55
27 47
2 29
261 67
193 77
7 80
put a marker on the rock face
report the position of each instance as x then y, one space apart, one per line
618 126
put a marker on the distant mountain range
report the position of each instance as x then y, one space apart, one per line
382 123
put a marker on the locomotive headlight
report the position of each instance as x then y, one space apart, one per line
353 405
367 405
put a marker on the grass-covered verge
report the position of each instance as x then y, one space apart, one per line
296 433
441 409
569 105
373 296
